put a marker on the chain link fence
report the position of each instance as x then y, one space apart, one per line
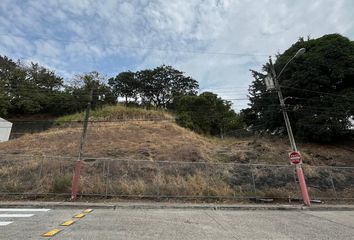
52 175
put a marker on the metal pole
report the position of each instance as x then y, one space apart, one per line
107 176
299 170
76 177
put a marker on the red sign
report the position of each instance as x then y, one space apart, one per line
295 157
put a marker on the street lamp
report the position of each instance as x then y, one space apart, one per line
276 85
297 54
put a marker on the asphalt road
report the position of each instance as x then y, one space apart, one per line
176 224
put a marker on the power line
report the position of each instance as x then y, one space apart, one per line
319 92
43 37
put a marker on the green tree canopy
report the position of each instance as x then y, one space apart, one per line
318 88
83 84
24 88
34 89
207 113
158 87
125 85
162 85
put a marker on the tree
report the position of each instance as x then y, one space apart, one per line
26 89
207 113
7 67
318 86
82 85
43 78
34 89
24 95
125 85
164 84
159 87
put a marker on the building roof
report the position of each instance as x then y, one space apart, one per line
4 122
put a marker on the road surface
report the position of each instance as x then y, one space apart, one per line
176 224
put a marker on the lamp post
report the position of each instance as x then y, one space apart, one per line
276 85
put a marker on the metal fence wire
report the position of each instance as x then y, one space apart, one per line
52 175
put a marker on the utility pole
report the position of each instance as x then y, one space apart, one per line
283 107
299 171
78 164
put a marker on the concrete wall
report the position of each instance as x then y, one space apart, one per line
5 130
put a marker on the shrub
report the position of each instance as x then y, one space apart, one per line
61 184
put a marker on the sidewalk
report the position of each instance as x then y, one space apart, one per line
159 205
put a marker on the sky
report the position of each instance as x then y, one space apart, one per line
214 41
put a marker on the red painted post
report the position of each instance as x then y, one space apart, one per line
76 180
303 186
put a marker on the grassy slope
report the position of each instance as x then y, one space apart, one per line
136 138
118 112
161 139
128 133
130 136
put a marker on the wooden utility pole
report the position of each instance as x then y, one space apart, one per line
299 171
78 164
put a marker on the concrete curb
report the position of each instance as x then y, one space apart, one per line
186 206
56 205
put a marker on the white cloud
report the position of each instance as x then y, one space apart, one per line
76 36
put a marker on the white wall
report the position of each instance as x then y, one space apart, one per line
5 130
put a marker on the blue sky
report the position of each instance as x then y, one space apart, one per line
214 41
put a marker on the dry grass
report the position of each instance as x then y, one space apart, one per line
135 138
128 140
156 141
117 112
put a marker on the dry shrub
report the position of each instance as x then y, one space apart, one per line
310 171
193 185
61 184
287 192
187 153
19 176
92 184
131 188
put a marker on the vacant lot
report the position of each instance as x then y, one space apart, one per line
142 149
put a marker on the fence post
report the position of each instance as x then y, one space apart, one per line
332 182
40 172
104 176
253 182
107 176
158 179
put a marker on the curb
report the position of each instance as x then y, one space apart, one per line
127 205
56 205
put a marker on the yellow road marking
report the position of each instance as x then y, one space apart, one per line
80 215
51 233
67 223
88 210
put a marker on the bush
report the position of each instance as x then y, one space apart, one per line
61 184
